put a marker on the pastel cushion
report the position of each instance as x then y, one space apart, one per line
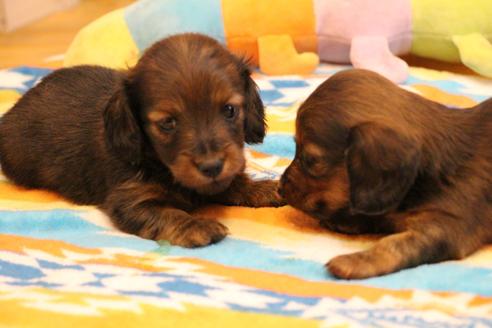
246 20
435 22
119 38
151 20
106 41
278 56
337 30
475 52
372 52
339 21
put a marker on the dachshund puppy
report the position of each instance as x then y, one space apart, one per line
374 158
147 145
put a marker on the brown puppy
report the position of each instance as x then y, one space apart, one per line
374 158
147 145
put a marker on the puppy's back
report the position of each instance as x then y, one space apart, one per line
54 132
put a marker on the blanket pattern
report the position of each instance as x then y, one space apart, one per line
66 265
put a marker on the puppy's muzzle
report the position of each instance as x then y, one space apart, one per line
211 168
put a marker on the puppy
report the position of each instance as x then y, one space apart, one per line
147 145
374 158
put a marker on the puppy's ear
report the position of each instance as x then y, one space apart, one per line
123 134
254 121
382 166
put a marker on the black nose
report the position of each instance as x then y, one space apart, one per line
280 190
281 184
284 179
211 168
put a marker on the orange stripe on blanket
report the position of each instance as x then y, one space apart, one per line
285 217
146 262
444 97
13 197
258 155
289 285
13 192
285 284
14 243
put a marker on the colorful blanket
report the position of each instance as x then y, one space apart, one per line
64 265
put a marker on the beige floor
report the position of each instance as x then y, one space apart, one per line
50 36
33 44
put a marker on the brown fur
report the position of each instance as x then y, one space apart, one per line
374 158
147 145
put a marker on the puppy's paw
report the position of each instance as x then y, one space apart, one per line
196 232
358 265
265 194
352 266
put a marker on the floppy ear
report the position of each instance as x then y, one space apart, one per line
123 134
382 166
254 121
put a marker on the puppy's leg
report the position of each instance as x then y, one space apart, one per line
428 237
244 191
341 221
148 211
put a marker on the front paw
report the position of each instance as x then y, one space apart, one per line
265 194
371 263
352 266
246 192
194 232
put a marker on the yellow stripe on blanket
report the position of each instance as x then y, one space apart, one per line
13 197
444 97
7 100
282 119
65 309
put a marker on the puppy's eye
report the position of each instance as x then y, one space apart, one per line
230 111
313 165
307 161
168 124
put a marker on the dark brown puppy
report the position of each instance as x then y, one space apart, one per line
374 158
147 145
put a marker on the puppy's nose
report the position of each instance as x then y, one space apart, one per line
211 168
284 179
280 190
281 184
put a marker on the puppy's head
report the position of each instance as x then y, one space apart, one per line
195 104
348 156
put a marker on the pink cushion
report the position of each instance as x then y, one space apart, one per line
338 21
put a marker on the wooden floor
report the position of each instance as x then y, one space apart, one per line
34 44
